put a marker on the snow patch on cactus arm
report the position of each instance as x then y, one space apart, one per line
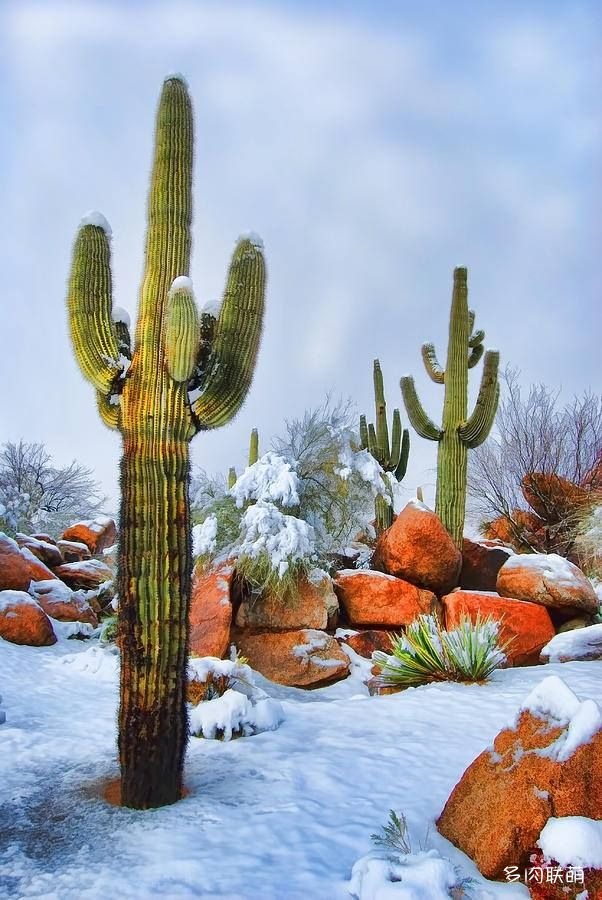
572 841
271 479
96 219
120 315
253 239
181 283
211 308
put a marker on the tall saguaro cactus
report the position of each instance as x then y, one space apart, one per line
184 374
392 456
458 433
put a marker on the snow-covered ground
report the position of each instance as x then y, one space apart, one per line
281 815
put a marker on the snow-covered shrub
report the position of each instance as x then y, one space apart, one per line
108 633
338 482
393 869
426 652
225 701
589 542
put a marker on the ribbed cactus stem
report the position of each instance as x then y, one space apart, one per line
231 477
458 433
152 401
254 447
391 455
182 333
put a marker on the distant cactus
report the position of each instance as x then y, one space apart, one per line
185 374
392 456
253 457
458 433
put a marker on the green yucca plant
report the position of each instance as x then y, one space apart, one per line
426 652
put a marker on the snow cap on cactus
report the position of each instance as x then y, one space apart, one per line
98 220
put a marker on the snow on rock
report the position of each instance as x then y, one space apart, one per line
417 876
98 220
181 283
553 700
581 643
283 538
204 536
271 478
121 316
548 579
573 841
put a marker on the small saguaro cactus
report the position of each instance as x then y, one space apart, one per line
185 373
458 433
253 457
391 456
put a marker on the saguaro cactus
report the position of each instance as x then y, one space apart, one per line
393 455
253 457
458 433
185 374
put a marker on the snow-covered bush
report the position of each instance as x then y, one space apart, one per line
293 507
36 495
426 652
589 542
225 701
393 869
338 482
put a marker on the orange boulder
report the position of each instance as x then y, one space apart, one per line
366 642
481 562
211 611
45 550
548 763
19 567
306 658
87 574
97 534
375 598
526 626
23 621
547 579
59 602
312 604
419 549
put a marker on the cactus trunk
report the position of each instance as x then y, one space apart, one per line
185 374
155 564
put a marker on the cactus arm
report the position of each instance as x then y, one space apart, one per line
236 339
89 306
402 465
475 355
382 430
363 433
395 441
431 364
254 447
475 430
421 423
181 330
231 477
109 409
477 338
373 443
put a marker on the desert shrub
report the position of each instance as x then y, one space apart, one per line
108 632
426 653
540 472
37 495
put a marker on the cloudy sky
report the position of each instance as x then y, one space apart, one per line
372 145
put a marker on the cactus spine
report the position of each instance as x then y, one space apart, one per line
458 433
184 375
391 456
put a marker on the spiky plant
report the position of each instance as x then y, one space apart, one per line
458 433
183 375
391 455
426 652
